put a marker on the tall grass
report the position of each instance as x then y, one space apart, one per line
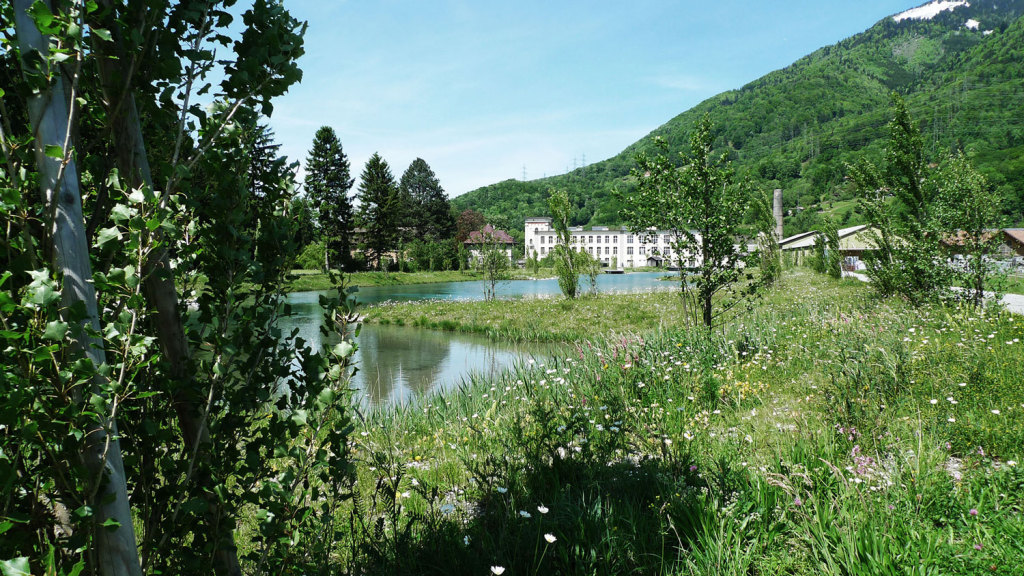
825 432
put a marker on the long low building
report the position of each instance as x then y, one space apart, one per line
615 247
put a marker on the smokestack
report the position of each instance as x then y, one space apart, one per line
777 212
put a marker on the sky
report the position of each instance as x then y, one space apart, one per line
487 90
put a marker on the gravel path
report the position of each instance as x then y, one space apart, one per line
1014 303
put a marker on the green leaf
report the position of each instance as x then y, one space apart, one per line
120 213
42 290
111 524
54 151
194 505
137 196
102 33
106 235
56 330
42 16
326 396
344 349
16 567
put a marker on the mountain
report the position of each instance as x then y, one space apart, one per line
959 65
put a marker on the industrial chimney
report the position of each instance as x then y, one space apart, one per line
777 212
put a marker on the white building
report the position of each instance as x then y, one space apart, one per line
613 246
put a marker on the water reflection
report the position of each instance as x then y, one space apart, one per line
474 290
399 364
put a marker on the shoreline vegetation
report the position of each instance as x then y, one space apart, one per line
310 280
825 431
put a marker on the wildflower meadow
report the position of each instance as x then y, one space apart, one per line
824 431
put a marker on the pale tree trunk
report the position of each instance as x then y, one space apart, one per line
158 278
114 550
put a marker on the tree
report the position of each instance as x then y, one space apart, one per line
196 390
769 261
493 263
832 259
266 168
702 210
327 185
567 260
430 212
971 208
116 552
305 222
825 257
591 267
899 202
380 209
469 221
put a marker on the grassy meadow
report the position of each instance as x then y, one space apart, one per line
823 432
307 280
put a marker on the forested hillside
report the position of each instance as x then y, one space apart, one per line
961 72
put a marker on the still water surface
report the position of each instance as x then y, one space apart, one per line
399 364
606 283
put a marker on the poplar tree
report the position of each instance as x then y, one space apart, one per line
327 185
900 201
567 261
703 210
380 209
144 428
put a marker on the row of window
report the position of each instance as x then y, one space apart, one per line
614 250
608 239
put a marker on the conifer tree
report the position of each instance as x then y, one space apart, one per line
380 209
430 213
327 185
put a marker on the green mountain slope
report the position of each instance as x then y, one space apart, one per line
796 128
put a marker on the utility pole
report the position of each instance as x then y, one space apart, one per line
524 172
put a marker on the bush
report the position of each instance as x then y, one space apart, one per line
311 257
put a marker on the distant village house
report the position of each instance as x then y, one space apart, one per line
479 240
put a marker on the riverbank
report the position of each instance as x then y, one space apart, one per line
312 280
559 320
817 434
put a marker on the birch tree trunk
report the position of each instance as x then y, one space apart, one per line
158 276
115 550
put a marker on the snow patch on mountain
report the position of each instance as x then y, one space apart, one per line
972 24
930 10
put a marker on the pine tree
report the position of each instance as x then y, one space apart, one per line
380 209
327 185
430 215
267 168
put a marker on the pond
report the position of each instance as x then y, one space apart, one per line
474 290
397 364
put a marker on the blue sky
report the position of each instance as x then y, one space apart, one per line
481 89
